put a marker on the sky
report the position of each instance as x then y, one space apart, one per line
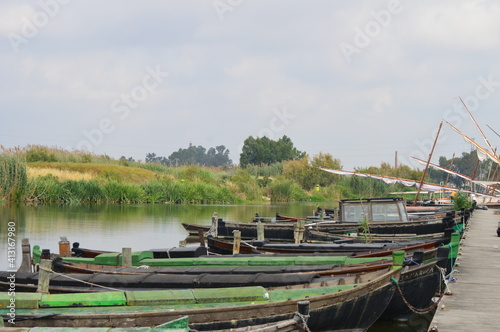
359 80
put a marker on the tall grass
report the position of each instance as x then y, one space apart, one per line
283 190
13 178
266 170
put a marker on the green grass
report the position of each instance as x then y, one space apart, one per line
41 174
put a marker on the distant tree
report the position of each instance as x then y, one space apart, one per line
307 173
194 155
468 164
258 151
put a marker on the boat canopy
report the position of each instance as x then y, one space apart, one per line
373 210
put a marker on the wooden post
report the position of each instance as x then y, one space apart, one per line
64 250
303 308
302 314
215 224
260 231
236 242
44 276
126 257
201 237
26 263
298 231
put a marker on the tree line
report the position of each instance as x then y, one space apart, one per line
255 151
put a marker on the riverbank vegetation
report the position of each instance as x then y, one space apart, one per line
38 174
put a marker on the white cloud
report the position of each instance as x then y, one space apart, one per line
12 16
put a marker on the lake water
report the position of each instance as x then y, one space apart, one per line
140 227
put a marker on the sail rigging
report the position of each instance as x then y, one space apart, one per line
482 153
485 184
426 186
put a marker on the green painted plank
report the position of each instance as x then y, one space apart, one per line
83 299
145 258
160 297
21 300
230 294
79 260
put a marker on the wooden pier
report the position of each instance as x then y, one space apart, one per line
475 301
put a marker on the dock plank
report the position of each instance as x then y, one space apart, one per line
475 303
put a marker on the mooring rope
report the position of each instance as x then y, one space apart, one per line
82 281
303 322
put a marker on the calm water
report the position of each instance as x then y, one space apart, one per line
111 227
141 227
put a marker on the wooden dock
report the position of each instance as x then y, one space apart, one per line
475 301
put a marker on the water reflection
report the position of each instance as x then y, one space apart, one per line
111 227
417 323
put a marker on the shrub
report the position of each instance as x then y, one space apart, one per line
461 201
284 190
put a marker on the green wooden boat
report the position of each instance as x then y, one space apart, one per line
349 306
140 258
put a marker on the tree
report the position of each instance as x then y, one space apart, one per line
258 151
468 164
194 155
308 174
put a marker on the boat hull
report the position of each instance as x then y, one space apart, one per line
355 308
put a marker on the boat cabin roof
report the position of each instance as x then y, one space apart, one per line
373 210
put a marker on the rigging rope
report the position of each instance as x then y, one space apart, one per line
82 281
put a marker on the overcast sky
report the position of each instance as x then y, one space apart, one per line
356 79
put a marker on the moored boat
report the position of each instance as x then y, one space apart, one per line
350 306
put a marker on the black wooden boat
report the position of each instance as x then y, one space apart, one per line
174 252
100 281
350 248
418 285
283 231
346 307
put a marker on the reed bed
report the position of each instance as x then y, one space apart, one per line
40 174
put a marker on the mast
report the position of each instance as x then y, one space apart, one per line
479 128
479 147
427 166
493 130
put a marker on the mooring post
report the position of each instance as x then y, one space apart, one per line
303 308
215 224
302 314
398 258
126 257
26 263
296 233
44 276
260 231
236 242
64 250
201 237
299 229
